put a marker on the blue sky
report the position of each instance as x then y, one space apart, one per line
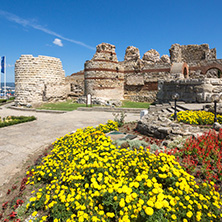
71 29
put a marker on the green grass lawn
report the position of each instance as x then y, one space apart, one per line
130 104
70 105
64 106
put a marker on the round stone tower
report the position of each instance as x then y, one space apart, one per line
38 79
104 77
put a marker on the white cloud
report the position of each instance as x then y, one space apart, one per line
10 65
58 42
25 23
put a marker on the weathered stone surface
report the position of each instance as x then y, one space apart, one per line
135 80
151 56
175 53
76 84
105 51
191 53
160 126
212 73
104 77
39 79
105 47
201 93
217 89
165 59
217 126
132 53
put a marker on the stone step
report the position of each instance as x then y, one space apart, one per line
178 109
165 111
170 110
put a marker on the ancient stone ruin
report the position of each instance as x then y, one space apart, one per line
39 79
104 77
193 71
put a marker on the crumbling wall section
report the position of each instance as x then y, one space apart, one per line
142 75
192 53
39 79
76 84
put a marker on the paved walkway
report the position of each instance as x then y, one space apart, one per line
17 142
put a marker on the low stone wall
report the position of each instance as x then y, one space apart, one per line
159 125
189 90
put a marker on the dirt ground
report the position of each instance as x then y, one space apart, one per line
15 192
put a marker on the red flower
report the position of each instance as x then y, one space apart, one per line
12 214
4 205
14 187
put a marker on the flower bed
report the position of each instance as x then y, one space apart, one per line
197 117
12 120
87 178
202 157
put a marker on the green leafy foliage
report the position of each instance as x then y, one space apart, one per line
12 120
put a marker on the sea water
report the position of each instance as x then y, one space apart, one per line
10 87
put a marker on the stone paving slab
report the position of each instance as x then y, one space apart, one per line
19 141
192 106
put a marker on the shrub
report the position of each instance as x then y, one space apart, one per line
197 117
3 100
86 178
119 118
12 120
132 144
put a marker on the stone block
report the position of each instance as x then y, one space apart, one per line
135 80
215 81
217 89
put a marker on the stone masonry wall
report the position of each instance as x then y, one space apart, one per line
76 84
142 75
104 77
191 53
39 79
189 90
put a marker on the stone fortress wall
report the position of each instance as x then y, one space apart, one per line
39 79
191 70
141 76
201 78
133 79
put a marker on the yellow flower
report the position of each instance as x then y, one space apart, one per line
174 217
158 205
149 211
95 219
34 213
111 215
189 214
122 203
